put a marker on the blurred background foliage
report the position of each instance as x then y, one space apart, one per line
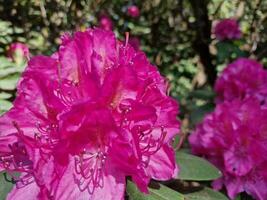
175 34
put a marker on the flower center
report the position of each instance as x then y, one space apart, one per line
15 161
89 168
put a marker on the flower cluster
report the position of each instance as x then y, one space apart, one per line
227 29
87 117
241 79
233 138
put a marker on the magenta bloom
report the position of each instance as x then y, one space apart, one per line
135 43
227 29
105 22
133 11
20 50
241 79
87 117
233 137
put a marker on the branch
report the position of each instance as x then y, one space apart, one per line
253 29
43 13
203 38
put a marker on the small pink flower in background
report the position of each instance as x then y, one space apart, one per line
233 138
133 11
18 51
86 118
241 79
227 29
105 22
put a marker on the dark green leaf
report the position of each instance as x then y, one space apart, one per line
160 192
5 187
195 168
205 194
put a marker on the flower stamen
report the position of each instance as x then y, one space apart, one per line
89 170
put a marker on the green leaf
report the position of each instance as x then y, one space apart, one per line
5 95
9 82
205 194
238 197
160 192
5 187
195 168
4 105
4 62
228 50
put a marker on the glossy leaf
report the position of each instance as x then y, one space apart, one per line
159 192
195 168
5 187
205 194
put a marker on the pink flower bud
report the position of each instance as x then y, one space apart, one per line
133 11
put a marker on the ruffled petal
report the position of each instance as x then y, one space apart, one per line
142 66
30 107
257 189
67 188
113 186
42 66
162 165
234 186
75 65
237 164
120 83
126 160
104 55
166 109
29 192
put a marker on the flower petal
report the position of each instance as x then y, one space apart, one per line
29 192
257 189
113 187
162 164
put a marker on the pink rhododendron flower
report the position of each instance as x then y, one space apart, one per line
133 11
227 29
241 79
18 50
85 118
105 22
135 43
233 138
